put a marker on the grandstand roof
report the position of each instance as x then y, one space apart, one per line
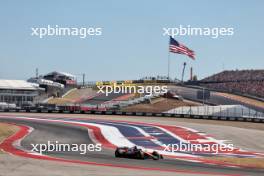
41 81
17 84
61 73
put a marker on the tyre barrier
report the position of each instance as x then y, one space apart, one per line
146 114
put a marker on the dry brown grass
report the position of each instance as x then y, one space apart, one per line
6 130
60 101
158 105
72 96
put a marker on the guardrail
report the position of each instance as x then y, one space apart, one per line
147 114
224 91
221 110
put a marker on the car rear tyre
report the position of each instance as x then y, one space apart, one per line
156 155
117 154
141 155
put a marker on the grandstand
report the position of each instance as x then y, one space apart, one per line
18 91
55 84
246 82
51 88
67 79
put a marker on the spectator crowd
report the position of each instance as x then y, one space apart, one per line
250 82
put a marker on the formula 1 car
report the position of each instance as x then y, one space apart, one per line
136 153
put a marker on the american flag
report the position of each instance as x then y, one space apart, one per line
176 47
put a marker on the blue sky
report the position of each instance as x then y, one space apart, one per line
132 44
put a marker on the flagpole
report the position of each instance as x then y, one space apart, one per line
169 61
169 65
168 70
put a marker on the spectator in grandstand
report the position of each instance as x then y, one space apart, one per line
249 82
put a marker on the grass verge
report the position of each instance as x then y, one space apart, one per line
6 130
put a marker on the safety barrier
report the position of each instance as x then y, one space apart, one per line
147 114
220 111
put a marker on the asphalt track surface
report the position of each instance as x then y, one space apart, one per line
67 133
191 94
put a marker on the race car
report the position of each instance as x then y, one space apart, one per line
136 153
